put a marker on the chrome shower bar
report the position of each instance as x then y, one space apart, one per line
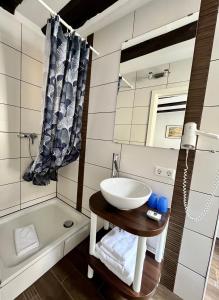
64 23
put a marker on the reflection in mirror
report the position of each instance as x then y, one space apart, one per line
153 86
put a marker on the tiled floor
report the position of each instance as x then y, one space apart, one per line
212 292
68 281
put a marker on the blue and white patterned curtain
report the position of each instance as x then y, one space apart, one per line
64 95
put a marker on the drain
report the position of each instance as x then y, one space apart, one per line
68 224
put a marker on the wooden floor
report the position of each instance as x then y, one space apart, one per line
212 292
68 280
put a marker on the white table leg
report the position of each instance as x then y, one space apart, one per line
161 245
106 225
139 265
93 232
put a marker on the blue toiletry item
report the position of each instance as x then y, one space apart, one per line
152 201
162 204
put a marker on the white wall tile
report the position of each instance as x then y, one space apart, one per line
31 121
209 124
38 200
101 152
142 161
193 243
93 175
25 163
125 99
204 172
123 116
122 133
161 189
9 171
103 98
30 192
10 30
215 54
66 200
70 171
87 193
67 188
188 284
142 80
32 43
31 96
10 145
138 133
9 118
9 90
110 38
96 130
140 115
180 71
10 61
197 203
32 70
105 69
143 95
147 18
211 98
33 147
10 195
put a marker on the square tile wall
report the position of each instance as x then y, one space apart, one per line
20 111
139 162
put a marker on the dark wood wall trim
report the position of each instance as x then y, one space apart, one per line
196 95
173 37
84 132
10 5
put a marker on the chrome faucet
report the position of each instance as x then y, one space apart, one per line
115 166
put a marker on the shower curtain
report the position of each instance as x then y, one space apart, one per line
67 64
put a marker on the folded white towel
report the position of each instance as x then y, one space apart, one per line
120 244
125 272
25 239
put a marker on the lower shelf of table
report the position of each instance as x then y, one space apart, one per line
150 278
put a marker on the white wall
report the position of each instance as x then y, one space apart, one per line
198 238
136 161
20 111
139 162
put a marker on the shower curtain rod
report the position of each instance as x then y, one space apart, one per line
64 23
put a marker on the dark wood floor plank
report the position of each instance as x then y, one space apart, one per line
81 288
48 287
63 269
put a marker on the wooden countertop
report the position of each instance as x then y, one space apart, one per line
134 221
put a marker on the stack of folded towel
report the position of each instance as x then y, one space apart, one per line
25 239
117 251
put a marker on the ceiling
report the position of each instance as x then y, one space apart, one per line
87 15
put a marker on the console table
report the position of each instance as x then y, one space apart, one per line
147 269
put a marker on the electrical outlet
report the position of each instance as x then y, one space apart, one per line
165 172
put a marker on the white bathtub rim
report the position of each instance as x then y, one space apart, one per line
9 273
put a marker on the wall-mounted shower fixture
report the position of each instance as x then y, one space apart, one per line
152 75
31 136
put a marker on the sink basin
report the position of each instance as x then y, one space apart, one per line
125 193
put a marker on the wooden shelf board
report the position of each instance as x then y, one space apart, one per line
150 278
134 221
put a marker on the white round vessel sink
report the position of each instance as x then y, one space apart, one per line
125 193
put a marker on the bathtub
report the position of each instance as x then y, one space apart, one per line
18 273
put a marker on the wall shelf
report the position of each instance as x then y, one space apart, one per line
148 270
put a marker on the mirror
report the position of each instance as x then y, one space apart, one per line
153 86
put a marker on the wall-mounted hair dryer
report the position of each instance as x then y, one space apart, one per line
188 142
190 134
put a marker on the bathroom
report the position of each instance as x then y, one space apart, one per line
143 55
